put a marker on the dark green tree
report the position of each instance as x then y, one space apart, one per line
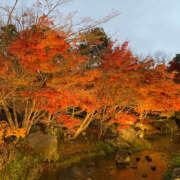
174 65
94 43
7 34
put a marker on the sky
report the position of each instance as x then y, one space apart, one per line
151 26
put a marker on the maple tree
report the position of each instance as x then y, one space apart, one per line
46 51
44 73
33 52
120 81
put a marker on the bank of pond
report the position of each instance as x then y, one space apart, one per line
133 153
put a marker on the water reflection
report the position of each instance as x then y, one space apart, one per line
149 165
105 169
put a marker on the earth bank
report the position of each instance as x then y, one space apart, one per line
42 152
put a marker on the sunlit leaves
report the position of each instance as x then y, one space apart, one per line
68 121
113 85
38 48
123 119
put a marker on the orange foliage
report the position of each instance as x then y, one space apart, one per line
39 48
123 119
120 79
68 121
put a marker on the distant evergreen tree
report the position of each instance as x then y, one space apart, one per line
95 42
174 65
7 35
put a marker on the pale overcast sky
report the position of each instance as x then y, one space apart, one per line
151 26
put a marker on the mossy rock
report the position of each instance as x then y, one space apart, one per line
44 144
122 159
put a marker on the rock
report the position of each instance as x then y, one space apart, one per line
128 138
134 167
148 158
118 142
146 130
110 167
88 178
144 175
128 134
176 174
153 168
138 159
90 164
76 172
133 138
122 160
44 144
124 139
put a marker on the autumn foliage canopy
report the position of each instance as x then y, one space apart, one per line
48 77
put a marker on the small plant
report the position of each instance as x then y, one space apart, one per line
173 163
23 167
106 148
167 175
35 128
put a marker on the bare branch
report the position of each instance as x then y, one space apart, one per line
92 24
53 7
10 14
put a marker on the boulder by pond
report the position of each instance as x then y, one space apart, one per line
122 159
128 134
128 138
124 138
44 144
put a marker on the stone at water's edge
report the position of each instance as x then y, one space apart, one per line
122 160
118 143
128 134
44 144
126 139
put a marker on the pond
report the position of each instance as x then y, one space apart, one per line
148 164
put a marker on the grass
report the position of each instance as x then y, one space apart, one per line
173 163
24 167
28 166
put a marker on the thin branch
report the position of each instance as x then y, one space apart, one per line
10 14
91 26
15 115
60 2
8 114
